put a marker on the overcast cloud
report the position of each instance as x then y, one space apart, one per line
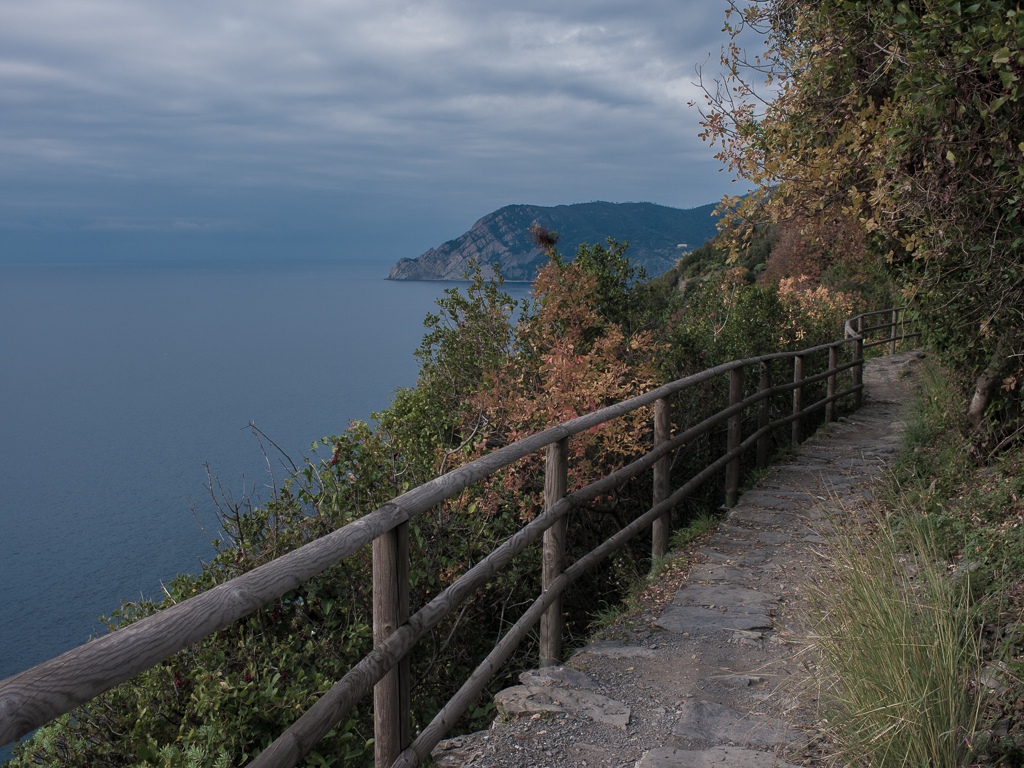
331 127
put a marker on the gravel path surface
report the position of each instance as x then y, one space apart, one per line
710 675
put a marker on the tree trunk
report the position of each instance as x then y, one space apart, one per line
986 381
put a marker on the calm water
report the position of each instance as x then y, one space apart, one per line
117 384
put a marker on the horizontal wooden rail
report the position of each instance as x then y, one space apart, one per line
859 333
34 697
319 719
879 342
884 326
874 312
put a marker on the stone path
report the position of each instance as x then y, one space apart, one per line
709 679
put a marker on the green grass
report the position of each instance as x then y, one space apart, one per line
895 654
693 530
972 504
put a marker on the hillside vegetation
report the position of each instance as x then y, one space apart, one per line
959 516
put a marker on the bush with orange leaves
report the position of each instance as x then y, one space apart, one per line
571 361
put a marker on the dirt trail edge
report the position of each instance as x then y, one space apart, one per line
708 678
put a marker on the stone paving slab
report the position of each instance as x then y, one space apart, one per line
614 650
707 620
725 550
718 757
714 572
706 721
527 699
710 595
564 676
758 516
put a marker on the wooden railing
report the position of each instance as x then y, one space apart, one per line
854 330
34 697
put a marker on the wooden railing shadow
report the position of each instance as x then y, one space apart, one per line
38 695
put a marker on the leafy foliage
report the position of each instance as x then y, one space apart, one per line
899 124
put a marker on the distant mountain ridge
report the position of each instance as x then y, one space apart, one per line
654 232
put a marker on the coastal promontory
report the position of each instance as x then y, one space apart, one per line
657 235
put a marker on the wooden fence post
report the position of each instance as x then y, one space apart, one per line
798 398
764 416
390 610
830 390
735 437
555 483
892 334
660 527
858 370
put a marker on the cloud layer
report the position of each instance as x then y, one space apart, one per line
263 116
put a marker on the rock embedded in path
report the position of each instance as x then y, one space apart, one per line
560 676
716 572
528 699
721 595
773 538
736 534
614 650
708 722
769 501
461 751
725 551
719 757
737 681
697 620
756 516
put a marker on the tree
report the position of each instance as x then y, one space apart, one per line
906 118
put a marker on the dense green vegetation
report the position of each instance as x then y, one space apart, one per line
491 371
895 651
893 135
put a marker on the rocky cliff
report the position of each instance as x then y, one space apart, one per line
655 234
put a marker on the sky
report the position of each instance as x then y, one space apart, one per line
337 129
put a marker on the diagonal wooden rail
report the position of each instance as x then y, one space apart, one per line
40 694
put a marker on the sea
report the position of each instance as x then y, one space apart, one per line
122 385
